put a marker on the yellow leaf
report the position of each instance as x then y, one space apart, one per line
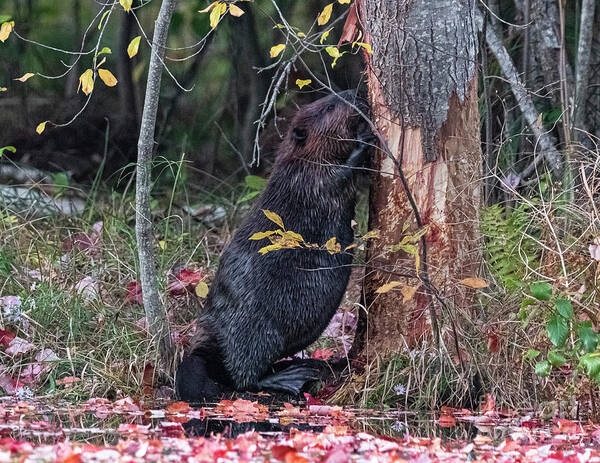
301 34
273 217
344 2
292 236
208 8
261 235
41 127
235 10
387 287
107 77
333 246
475 283
86 82
325 15
353 245
366 46
408 292
162 244
134 46
25 77
126 4
324 36
5 30
3 89
333 52
218 10
276 50
102 19
302 82
538 122
271 247
371 234
201 289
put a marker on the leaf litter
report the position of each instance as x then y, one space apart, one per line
129 430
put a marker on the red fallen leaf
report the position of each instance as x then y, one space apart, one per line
337 455
321 354
293 457
148 379
126 404
564 426
449 411
447 421
73 458
350 26
170 429
510 445
5 338
89 242
280 451
134 292
531 424
127 428
493 342
489 405
310 400
243 410
179 407
290 411
185 280
67 381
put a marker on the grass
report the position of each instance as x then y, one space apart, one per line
97 336
101 341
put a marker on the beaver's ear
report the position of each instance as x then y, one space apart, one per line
299 134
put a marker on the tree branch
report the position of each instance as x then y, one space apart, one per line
547 149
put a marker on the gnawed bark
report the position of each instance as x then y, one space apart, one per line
423 91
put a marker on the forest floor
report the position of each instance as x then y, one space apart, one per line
128 430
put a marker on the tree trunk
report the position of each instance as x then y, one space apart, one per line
423 90
155 310
584 50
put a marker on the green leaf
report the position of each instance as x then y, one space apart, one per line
556 359
7 148
60 180
564 307
558 330
590 364
105 50
587 336
541 291
254 182
531 354
5 18
543 368
249 196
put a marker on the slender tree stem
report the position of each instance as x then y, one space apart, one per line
155 310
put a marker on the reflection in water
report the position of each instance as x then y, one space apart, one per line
230 429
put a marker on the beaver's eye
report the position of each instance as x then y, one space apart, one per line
299 134
330 108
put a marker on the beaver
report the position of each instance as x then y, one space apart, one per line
262 308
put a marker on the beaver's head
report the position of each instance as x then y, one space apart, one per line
327 130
